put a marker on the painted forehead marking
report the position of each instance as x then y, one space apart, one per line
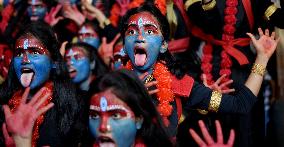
142 22
111 107
71 52
83 30
26 44
33 1
103 104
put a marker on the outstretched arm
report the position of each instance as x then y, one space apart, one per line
265 47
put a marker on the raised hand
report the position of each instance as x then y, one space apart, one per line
209 142
9 141
106 49
218 86
51 18
123 4
74 14
21 122
149 84
266 44
94 12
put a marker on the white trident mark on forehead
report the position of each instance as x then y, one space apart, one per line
140 22
103 104
70 52
26 44
83 30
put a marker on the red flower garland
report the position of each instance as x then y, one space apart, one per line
165 95
15 101
228 35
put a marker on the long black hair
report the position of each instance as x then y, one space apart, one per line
128 87
64 92
171 63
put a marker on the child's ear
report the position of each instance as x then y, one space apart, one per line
164 47
139 122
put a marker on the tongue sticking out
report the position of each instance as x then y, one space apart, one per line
140 59
26 79
107 144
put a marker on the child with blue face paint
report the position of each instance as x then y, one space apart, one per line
37 65
88 34
83 64
36 10
145 33
121 113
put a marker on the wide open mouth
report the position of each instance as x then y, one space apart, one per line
72 72
105 141
140 55
27 76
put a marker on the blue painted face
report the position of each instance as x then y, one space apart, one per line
89 36
36 10
143 41
32 62
78 64
111 121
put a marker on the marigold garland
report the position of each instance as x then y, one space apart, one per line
165 95
228 35
14 102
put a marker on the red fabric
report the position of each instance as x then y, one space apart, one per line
6 15
179 107
5 59
182 87
247 6
179 45
228 46
180 6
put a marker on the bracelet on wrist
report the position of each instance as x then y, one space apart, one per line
258 69
208 6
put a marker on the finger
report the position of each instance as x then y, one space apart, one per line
220 79
153 91
231 138
42 100
252 37
142 76
227 83
36 96
266 32
204 78
205 133
147 85
260 32
219 132
104 40
272 35
115 39
63 47
228 91
7 111
25 95
57 8
58 19
5 131
44 109
197 138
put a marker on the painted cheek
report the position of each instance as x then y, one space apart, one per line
129 46
123 131
17 66
83 70
94 125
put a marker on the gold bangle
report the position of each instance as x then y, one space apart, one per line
269 11
203 112
258 69
188 3
209 5
215 101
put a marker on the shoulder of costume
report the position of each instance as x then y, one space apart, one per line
182 87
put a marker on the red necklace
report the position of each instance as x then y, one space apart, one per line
228 35
165 95
16 99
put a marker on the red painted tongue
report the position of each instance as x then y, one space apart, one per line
140 59
26 79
